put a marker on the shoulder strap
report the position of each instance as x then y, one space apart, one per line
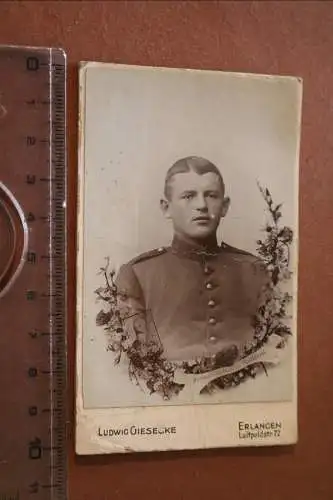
149 255
228 248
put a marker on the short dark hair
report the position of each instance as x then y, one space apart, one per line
195 164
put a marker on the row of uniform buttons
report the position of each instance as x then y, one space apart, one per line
211 303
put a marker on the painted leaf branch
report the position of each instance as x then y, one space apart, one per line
146 363
274 250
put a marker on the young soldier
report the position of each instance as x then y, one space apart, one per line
196 297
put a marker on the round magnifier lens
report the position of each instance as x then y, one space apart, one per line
13 239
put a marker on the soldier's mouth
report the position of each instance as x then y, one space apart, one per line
203 218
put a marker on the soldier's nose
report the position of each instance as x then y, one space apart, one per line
201 203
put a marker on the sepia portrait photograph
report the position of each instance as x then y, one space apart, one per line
188 237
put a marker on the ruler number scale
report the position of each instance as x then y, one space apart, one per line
58 291
33 351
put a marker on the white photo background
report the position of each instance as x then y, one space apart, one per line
137 123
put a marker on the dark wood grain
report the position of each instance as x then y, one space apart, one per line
294 38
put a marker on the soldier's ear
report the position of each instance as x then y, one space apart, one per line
225 206
164 205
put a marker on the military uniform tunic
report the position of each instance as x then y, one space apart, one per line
194 301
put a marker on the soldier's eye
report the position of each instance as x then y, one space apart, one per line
188 196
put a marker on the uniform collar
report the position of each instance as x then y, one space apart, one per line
195 249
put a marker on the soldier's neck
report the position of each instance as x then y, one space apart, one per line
185 242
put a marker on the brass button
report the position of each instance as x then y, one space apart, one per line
209 286
212 338
211 303
212 321
208 270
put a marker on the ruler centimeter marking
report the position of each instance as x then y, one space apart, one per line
33 459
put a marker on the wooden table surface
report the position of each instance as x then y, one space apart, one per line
293 38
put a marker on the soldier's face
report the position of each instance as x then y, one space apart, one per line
196 204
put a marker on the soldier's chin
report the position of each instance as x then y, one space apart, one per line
202 232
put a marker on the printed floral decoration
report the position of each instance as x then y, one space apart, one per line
146 363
